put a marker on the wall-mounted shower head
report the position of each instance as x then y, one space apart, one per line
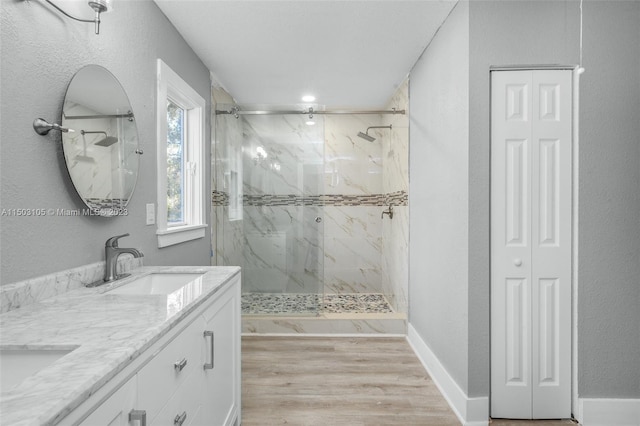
107 141
370 138
366 136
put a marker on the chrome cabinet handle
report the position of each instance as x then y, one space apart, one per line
209 366
179 365
138 415
180 418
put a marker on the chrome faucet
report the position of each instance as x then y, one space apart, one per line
111 254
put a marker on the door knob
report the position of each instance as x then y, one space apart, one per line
517 262
318 219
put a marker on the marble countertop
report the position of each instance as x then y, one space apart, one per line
106 332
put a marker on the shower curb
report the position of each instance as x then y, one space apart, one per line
327 324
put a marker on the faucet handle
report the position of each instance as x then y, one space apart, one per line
389 212
113 241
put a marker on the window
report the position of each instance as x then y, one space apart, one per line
175 164
181 120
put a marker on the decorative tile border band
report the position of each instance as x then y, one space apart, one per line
219 198
398 198
105 203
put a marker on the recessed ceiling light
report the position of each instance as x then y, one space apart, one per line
310 123
308 98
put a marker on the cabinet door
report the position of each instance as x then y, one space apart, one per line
115 410
221 403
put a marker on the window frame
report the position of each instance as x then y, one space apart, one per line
172 87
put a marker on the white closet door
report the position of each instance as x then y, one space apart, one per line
511 388
531 244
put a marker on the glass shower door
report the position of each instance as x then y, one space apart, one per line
283 229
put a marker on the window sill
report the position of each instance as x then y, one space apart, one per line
179 234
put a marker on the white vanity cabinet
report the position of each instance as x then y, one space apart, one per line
190 377
222 366
210 394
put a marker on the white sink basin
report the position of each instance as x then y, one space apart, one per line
18 364
159 283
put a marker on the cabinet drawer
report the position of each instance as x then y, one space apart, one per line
115 410
186 402
162 376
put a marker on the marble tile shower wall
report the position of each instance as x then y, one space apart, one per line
353 234
280 255
281 155
282 167
395 179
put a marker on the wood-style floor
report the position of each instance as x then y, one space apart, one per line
337 381
341 381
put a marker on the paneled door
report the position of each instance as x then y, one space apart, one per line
531 138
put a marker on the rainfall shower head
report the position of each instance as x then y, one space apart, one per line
107 141
370 138
366 136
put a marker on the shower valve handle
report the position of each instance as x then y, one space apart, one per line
388 212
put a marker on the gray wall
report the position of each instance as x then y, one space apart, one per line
439 195
609 197
41 51
502 33
520 33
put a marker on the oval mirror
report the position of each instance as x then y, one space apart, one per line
102 151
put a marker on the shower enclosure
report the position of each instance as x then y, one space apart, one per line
273 224
299 204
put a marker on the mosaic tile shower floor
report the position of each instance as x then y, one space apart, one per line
296 304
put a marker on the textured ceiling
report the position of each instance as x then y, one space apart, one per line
347 53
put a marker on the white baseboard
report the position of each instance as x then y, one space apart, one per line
470 411
608 412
